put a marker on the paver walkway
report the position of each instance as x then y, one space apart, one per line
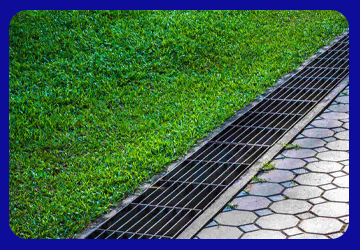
306 196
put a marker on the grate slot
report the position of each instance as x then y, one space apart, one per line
329 63
179 195
298 94
109 234
141 219
325 73
344 39
280 121
206 172
249 135
317 83
340 54
293 107
227 153
149 221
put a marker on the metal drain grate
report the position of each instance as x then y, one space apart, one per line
174 201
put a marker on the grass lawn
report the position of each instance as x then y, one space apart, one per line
99 101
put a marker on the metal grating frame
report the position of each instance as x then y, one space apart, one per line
173 202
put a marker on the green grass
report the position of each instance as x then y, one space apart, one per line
102 100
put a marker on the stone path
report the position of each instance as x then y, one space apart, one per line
306 196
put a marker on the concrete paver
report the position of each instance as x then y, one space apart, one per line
333 156
309 143
289 163
324 166
318 133
321 225
303 192
314 179
277 221
290 206
236 218
265 189
251 203
277 176
331 209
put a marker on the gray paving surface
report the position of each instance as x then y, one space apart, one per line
306 196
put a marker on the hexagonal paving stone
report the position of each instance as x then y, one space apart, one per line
321 225
314 179
342 181
309 143
264 234
335 116
251 202
235 218
338 145
326 123
290 206
343 99
300 153
303 192
220 232
324 166
339 107
346 125
288 163
265 189
346 169
331 209
333 156
318 132
277 176
344 135
308 236
277 221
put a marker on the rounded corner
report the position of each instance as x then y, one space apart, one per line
343 231
347 20
14 233
16 14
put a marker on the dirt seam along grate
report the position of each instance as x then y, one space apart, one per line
164 210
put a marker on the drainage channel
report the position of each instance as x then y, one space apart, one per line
164 210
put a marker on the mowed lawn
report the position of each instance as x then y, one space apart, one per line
99 101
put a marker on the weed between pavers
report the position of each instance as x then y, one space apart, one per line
267 166
290 146
257 179
231 205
